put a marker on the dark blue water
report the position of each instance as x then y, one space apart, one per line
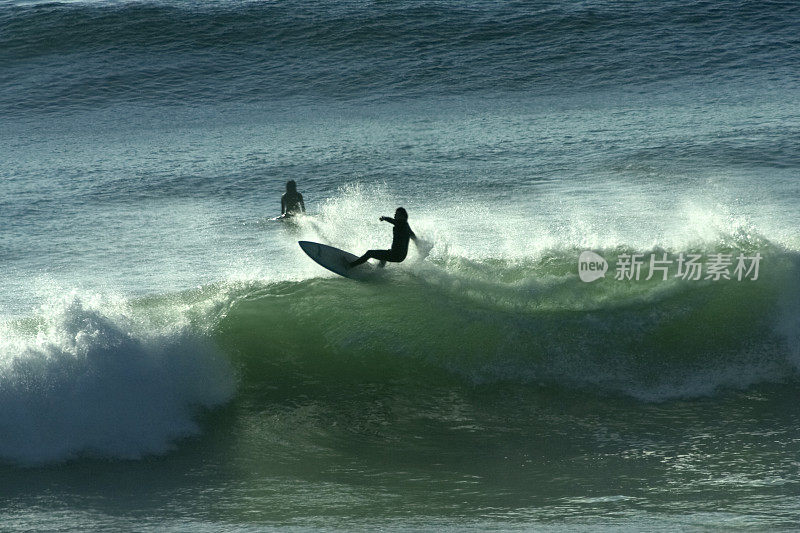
67 57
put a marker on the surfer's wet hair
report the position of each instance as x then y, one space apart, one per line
401 213
291 186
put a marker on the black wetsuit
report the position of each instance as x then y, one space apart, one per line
401 235
292 204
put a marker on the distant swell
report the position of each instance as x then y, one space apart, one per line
86 54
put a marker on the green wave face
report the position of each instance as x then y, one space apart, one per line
323 358
530 323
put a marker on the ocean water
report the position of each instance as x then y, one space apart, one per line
170 360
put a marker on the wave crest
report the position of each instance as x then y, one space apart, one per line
85 377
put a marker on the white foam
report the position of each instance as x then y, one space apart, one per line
92 378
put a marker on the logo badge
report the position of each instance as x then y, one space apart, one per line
591 267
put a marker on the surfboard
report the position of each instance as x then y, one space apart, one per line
334 259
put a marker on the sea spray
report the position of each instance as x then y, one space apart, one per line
87 376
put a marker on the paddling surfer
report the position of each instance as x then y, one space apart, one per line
292 201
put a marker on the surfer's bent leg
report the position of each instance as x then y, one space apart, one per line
381 255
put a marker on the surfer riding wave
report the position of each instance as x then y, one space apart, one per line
402 233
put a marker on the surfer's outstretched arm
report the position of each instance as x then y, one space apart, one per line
302 204
283 205
390 220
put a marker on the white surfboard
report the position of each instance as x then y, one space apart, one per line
335 259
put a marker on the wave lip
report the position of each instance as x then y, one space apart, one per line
92 382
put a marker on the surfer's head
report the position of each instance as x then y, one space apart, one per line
291 186
401 214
